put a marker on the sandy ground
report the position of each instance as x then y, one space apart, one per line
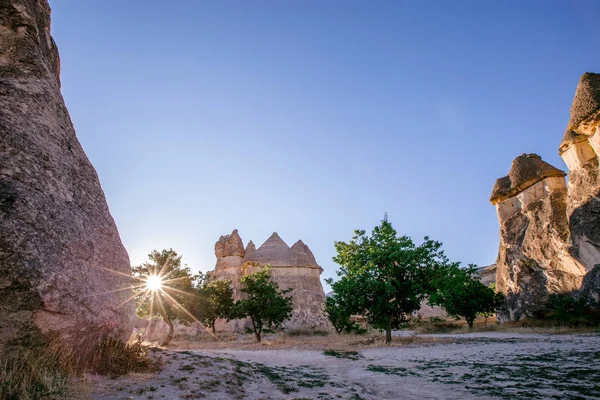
465 366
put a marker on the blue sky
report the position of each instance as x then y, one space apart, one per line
314 118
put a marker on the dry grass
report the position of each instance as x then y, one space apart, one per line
114 357
530 325
279 341
36 373
51 370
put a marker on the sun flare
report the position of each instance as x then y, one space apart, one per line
154 282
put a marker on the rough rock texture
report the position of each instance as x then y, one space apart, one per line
526 170
229 251
533 260
585 109
61 257
291 267
583 206
590 289
487 275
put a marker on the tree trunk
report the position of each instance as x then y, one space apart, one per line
213 328
470 322
256 330
388 332
168 321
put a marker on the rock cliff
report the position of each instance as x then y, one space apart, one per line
61 257
579 149
534 259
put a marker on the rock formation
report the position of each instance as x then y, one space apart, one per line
291 267
487 274
229 251
61 257
579 149
534 259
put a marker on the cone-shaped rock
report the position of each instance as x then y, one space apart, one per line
61 258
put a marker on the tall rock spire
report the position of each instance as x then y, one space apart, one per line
64 269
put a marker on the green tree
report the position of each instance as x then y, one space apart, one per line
215 301
461 294
164 288
338 313
263 302
384 277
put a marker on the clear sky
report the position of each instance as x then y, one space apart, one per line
313 118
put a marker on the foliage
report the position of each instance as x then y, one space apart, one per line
177 295
264 303
563 309
215 300
461 294
384 277
46 370
338 313
115 357
33 373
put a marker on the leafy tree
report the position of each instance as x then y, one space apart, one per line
338 313
462 294
384 277
173 297
264 303
215 301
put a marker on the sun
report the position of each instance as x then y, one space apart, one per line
154 282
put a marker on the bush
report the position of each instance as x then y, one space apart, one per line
306 332
563 309
46 370
115 357
43 371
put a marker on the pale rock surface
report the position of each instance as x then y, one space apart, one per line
61 257
296 268
487 274
229 251
534 259
583 205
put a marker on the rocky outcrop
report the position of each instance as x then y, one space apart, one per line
579 149
61 258
296 268
291 267
229 251
487 274
534 259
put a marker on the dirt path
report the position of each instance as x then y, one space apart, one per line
484 365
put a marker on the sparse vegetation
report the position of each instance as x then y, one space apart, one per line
384 277
461 294
265 304
48 370
350 355
174 298
215 300
566 310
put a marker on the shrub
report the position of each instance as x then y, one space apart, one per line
563 309
33 373
46 370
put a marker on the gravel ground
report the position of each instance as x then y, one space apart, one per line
465 366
